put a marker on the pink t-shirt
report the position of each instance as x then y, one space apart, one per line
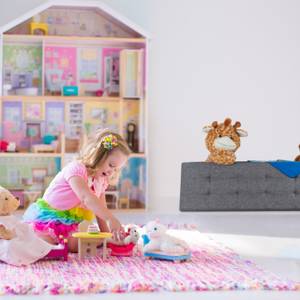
60 195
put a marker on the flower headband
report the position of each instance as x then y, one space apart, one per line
109 142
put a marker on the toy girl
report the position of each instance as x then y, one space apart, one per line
77 192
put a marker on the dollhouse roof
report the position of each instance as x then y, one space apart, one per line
94 6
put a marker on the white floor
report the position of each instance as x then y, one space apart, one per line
271 239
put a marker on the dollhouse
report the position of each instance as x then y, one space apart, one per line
68 69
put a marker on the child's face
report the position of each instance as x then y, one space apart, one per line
114 162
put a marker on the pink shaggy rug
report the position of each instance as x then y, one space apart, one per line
212 267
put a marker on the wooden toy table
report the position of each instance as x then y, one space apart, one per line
87 243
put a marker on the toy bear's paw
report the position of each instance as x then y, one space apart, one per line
6 234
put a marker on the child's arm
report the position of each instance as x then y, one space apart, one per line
102 223
92 202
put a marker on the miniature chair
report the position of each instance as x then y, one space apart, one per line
39 27
113 199
123 202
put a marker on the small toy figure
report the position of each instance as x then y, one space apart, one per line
158 244
19 245
298 157
222 141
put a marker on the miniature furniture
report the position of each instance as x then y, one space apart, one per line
123 203
243 186
87 243
112 198
102 56
42 28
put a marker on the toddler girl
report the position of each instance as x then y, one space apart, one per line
77 192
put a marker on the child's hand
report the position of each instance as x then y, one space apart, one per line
116 229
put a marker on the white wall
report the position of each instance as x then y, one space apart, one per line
211 59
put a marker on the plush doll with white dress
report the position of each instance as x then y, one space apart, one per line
160 241
19 244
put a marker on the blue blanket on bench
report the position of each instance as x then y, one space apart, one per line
288 168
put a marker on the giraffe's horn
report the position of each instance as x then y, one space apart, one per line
227 122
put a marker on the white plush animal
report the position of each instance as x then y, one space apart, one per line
161 241
133 236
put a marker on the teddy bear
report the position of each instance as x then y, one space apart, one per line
298 157
159 240
19 244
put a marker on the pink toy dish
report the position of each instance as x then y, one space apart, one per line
121 250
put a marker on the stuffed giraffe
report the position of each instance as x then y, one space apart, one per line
222 141
298 157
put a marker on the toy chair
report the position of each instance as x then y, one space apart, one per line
38 27
123 202
113 199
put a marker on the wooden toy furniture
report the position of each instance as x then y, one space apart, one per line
41 28
123 202
88 70
87 243
112 198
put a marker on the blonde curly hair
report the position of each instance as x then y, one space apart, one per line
99 146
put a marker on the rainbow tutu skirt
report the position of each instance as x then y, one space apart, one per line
52 222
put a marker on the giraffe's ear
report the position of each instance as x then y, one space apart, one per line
242 133
206 129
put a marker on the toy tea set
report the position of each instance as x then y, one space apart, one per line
156 243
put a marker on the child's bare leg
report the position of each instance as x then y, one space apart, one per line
47 238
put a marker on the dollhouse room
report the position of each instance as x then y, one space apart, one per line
200 100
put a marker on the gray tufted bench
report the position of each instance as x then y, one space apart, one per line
244 186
